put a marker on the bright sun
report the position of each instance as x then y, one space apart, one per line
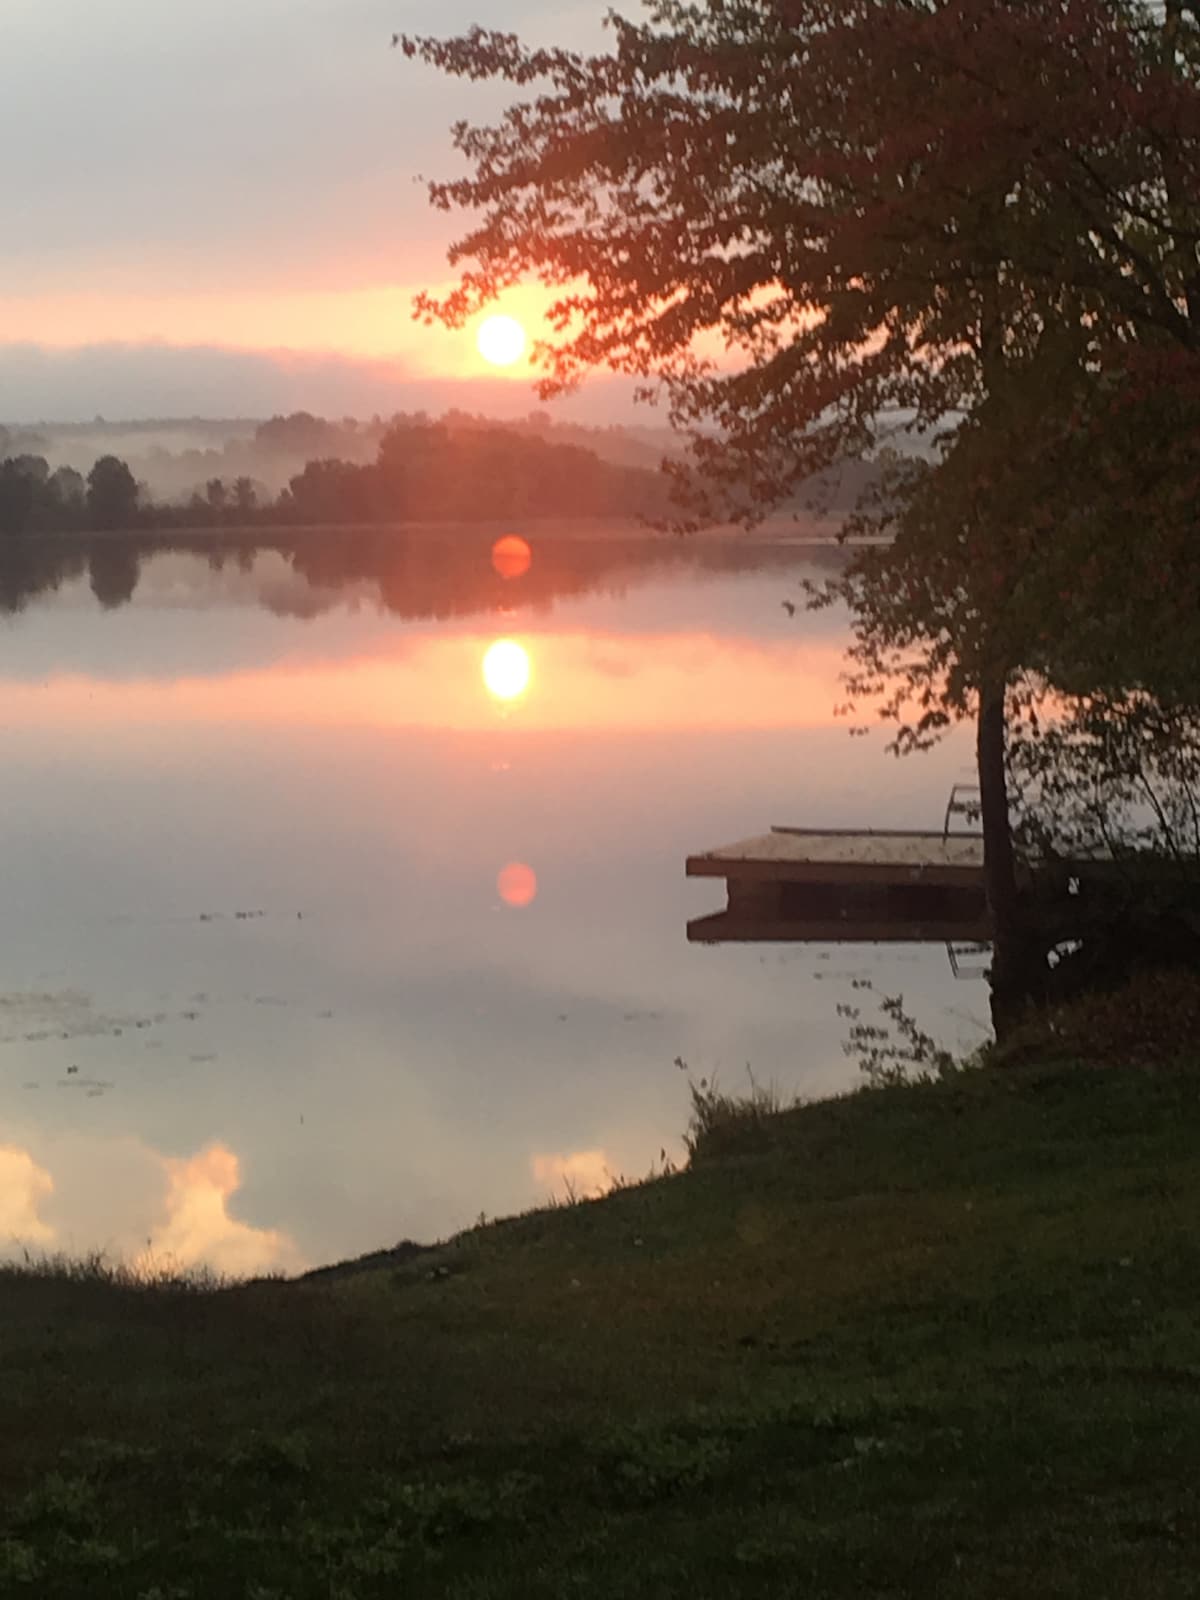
506 669
501 340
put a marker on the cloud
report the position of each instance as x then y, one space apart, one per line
23 1187
198 1229
155 379
585 1173
114 147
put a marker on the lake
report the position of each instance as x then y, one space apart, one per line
313 942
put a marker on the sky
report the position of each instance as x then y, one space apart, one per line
214 207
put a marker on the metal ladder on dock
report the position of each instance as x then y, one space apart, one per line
959 805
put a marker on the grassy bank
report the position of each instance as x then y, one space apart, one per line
923 1341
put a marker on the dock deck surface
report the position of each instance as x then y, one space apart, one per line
835 855
825 884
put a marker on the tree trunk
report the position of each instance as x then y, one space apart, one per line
1015 965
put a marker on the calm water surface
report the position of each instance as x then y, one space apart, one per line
268 994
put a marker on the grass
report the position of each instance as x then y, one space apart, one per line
726 1124
1152 1018
99 1270
928 1340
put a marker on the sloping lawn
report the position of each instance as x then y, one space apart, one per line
934 1341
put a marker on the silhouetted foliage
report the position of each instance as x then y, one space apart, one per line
301 434
332 491
471 472
34 499
112 494
800 222
69 488
16 498
463 467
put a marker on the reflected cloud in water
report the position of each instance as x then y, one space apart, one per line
24 1187
175 1215
198 1229
579 1174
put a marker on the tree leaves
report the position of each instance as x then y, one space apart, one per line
797 221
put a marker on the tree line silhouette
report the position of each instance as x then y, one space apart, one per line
423 472
33 499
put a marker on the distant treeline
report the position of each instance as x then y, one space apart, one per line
33 499
436 473
177 458
423 472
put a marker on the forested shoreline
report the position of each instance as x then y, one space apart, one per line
422 471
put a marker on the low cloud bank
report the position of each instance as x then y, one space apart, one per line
120 381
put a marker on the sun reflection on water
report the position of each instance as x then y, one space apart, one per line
511 556
506 670
517 885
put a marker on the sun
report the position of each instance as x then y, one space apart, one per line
501 341
506 669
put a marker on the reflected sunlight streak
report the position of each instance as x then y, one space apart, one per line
677 682
511 556
506 670
517 885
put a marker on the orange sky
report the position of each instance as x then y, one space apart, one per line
270 142
373 323
208 177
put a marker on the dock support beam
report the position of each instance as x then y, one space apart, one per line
1018 972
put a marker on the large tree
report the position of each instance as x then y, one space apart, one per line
112 495
798 221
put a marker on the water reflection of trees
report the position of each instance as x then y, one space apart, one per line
414 576
32 567
114 567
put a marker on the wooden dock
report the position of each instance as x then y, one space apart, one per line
829 884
